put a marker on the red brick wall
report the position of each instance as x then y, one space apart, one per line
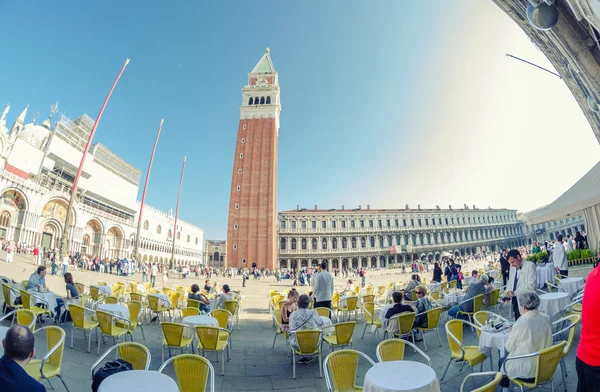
256 235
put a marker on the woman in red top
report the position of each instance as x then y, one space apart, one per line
588 352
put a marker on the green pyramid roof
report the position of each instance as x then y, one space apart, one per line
265 65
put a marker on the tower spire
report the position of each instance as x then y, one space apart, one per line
3 128
18 125
265 64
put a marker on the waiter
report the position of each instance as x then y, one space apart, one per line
504 266
523 277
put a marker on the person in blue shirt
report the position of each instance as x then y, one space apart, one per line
18 346
37 280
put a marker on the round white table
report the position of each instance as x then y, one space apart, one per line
401 376
545 274
327 323
453 298
467 280
570 285
192 321
493 273
163 299
138 381
116 309
552 303
3 331
498 284
104 289
493 340
47 296
434 287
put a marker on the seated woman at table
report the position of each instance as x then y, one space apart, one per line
415 281
287 309
437 273
346 289
303 318
72 294
474 289
198 296
531 333
226 295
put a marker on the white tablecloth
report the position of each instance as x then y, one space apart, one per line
550 265
498 284
163 299
467 280
3 331
434 286
450 299
545 274
552 303
116 309
326 324
397 376
48 296
571 285
493 273
493 340
105 289
138 381
192 321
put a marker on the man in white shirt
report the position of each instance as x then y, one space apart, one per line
322 284
522 277
559 257
569 244
153 273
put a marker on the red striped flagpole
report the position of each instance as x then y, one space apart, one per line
139 227
64 241
177 213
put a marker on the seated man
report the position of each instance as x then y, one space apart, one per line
37 280
18 351
398 307
474 289
207 286
474 275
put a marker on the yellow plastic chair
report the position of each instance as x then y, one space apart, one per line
223 318
494 296
309 345
135 308
370 290
24 284
335 300
400 325
96 293
380 292
27 318
444 286
342 335
452 284
102 284
80 288
370 317
325 312
39 311
192 372
155 306
108 327
572 321
111 300
341 368
79 322
278 331
393 350
477 302
481 318
189 311
434 295
489 387
141 299
6 289
546 364
349 305
175 300
136 354
147 286
433 319
233 308
214 339
49 366
192 303
115 290
368 298
174 338
460 352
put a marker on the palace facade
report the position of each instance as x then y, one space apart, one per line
379 238
38 164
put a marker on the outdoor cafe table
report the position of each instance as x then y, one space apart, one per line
192 321
116 309
105 289
47 296
493 340
552 303
545 274
138 381
570 285
435 286
401 376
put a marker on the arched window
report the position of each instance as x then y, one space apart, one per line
146 225
372 241
256 100
179 235
268 100
334 243
344 243
5 219
353 240
262 100
313 243
250 101
170 234
282 246
158 229
324 243
293 243
188 238
304 243
363 242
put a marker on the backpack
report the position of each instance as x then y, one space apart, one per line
109 369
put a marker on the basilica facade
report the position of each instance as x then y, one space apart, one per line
351 238
38 164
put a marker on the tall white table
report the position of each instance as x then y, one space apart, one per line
570 285
552 303
401 376
138 381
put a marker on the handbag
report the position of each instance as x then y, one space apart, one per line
108 370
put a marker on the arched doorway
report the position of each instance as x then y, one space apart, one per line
5 223
335 263
114 243
354 262
51 233
93 232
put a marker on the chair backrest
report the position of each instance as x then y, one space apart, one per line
568 331
102 284
494 295
489 387
380 290
25 298
80 288
174 297
344 331
480 318
27 318
452 284
208 337
133 287
308 341
222 316
231 306
111 300
433 317
351 302
454 328
341 367
115 290
477 302
435 295
368 298
134 307
192 372
323 311
276 298
136 297
548 361
173 333
369 311
105 321
444 285
94 291
190 311
406 321
136 354
193 303
6 294
24 284
370 290
55 337
390 350
77 315
335 299
152 302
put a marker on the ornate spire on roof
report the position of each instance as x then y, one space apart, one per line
264 65
18 125
35 116
3 128
53 110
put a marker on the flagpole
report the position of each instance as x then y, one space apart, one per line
139 226
64 241
177 214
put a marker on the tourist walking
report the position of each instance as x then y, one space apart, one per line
165 275
153 273
9 253
322 287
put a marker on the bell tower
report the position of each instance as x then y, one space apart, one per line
252 225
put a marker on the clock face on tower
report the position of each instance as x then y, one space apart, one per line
260 81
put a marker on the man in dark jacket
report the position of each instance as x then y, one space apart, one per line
504 266
398 307
18 351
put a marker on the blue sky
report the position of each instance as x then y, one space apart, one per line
401 103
